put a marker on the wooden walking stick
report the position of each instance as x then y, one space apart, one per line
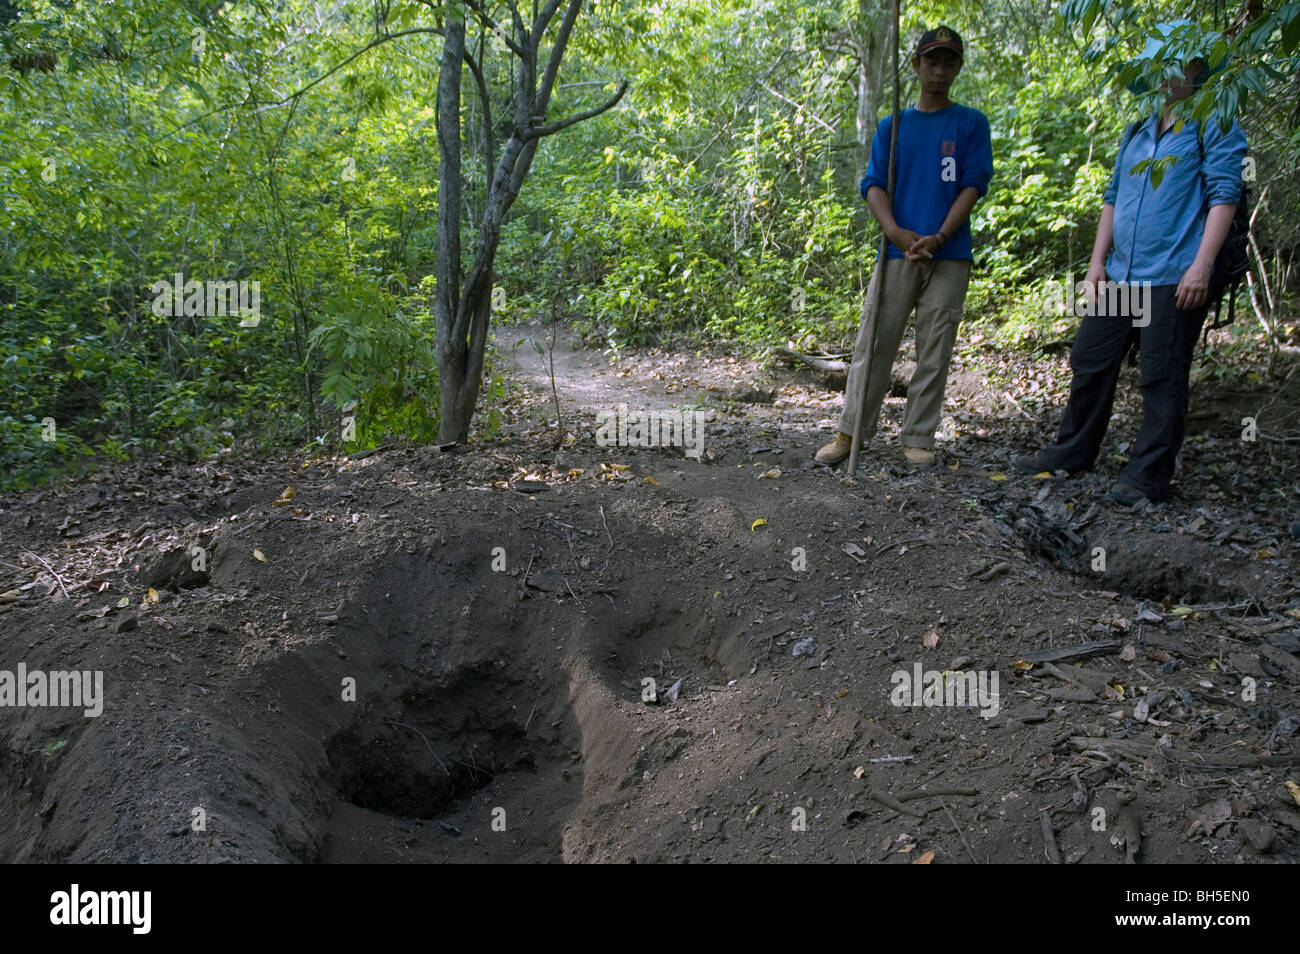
874 310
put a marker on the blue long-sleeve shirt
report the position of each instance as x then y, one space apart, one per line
1158 229
939 154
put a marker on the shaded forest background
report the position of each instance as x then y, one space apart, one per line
715 203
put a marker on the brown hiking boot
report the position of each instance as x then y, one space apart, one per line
836 450
918 456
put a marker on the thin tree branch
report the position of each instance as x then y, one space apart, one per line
518 20
542 21
543 98
798 106
489 137
378 41
537 132
496 28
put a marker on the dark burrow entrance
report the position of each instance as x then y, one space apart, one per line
489 728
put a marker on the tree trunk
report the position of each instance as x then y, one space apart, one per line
446 301
463 304
871 36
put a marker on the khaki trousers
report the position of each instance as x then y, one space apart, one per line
937 290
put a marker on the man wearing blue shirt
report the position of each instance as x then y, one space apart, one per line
943 165
1168 235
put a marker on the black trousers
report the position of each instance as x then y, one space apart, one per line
1166 345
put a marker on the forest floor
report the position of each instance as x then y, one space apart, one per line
350 670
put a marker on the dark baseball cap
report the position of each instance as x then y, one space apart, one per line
940 38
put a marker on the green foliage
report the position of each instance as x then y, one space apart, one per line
378 359
718 201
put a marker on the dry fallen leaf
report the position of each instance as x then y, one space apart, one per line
651 480
1128 653
1210 816
259 555
860 771
151 596
1294 789
925 859
756 524
773 474
997 476
931 639
284 497
1021 666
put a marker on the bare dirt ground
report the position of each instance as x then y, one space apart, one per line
356 672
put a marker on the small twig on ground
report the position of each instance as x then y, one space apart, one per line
941 792
1049 838
58 578
957 828
606 526
570 589
889 801
986 575
1016 404
523 584
363 454
900 543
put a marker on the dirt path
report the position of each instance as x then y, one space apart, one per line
419 656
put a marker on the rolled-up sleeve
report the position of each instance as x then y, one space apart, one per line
1224 155
878 166
977 170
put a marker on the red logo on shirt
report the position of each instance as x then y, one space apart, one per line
948 147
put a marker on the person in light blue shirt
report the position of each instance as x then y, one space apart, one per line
1158 231
1162 241
943 165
